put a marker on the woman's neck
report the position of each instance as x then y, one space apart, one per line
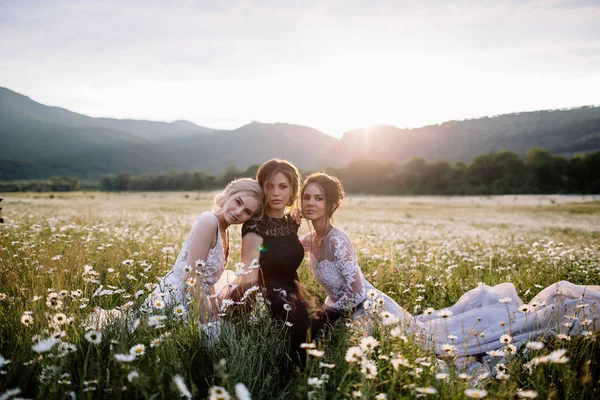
322 227
222 223
276 213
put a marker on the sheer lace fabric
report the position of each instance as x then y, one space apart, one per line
476 322
173 286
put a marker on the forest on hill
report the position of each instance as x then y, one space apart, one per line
501 172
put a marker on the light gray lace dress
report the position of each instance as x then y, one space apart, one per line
335 267
173 288
476 323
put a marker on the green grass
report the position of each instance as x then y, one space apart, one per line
423 252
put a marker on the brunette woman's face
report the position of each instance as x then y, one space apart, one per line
239 208
278 192
314 206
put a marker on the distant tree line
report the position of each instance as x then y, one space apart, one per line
501 172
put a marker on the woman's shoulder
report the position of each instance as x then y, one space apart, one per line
206 220
337 235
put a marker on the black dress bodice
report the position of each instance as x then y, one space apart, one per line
281 252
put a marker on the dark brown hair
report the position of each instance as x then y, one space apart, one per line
270 168
334 191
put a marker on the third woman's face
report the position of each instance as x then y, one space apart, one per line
314 205
278 191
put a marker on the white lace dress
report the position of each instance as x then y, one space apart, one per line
173 288
335 267
476 323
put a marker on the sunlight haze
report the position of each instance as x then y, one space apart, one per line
331 65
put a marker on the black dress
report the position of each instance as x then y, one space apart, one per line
280 256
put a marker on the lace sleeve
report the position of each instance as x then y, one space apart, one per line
254 227
305 240
345 261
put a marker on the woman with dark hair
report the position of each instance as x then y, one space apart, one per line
273 241
480 310
332 257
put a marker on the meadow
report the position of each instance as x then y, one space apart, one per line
62 255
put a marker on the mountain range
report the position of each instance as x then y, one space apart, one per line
39 141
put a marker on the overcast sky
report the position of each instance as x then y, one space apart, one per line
332 65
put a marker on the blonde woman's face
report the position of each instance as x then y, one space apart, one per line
239 208
278 192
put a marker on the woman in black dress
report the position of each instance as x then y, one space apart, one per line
273 240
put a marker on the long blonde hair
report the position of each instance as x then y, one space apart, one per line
236 186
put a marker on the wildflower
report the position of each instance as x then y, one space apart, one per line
475 393
138 350
527 394
191 281
505 300
381 396
449 349
368 344
369 369
533 345
218 393
181 386
10 393
510 348
53 301
354 354
314 382
356 394
323 365
27 319
241 392
441 376
564 337
44 346
60 318
558 356
502 376
168 250
127 263
179 310
395 332
288 323
287 307
124 357
388 318
524 308
315 353
132 375
372 294
400 360
505 339
308 346
426 390
94 337
158 303
445 313
428 311
226 303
